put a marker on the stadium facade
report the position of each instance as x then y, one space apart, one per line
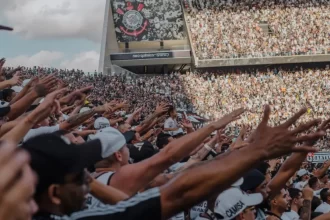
153 36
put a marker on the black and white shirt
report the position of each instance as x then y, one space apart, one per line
144 206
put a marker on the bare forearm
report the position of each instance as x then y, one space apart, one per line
149 119
107 194
188 189
5 84
20 95
19 131
76 120
182 147
305 213
75 110
287 170
21 105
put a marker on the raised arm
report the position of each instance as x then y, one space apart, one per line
42 89
41 112
138 175
188 189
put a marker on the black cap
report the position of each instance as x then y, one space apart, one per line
141 151
53 157
129 136
252 180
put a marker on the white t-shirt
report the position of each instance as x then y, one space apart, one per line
93 202
179 216
324 208
198 209
42 130
171 123
292 215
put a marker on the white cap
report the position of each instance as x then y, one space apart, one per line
84 109
233 201
25 82
17 89
111 139
302 172
101 123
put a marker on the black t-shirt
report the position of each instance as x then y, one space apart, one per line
144 206
4 111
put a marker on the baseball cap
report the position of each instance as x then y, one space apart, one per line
110 136
17 89
53 156
141 151
252 180
302 172
84 109
101 122
233 201
129 136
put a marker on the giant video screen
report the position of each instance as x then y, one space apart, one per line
148 20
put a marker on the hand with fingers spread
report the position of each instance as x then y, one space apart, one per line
46 107
161 108
17 184
45 86
123 105
278 141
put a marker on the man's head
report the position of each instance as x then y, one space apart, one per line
124 127
163 140
314 183
172 112
234 203
121 156
255 182
297 198
280 201
59 164
101 123
303 175
325 196
8 95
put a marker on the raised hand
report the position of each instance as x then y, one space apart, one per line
45 86
86 89
16 79
123 104
187 124
17 183
225 120
46 107
278 141
161 108
239 143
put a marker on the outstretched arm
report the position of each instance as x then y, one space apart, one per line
137 176
188 189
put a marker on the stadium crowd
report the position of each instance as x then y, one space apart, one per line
95 147
233 29
141 166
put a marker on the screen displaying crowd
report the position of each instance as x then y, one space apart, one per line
234 28
95 146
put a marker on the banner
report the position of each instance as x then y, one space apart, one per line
318 157
149 20
150 55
